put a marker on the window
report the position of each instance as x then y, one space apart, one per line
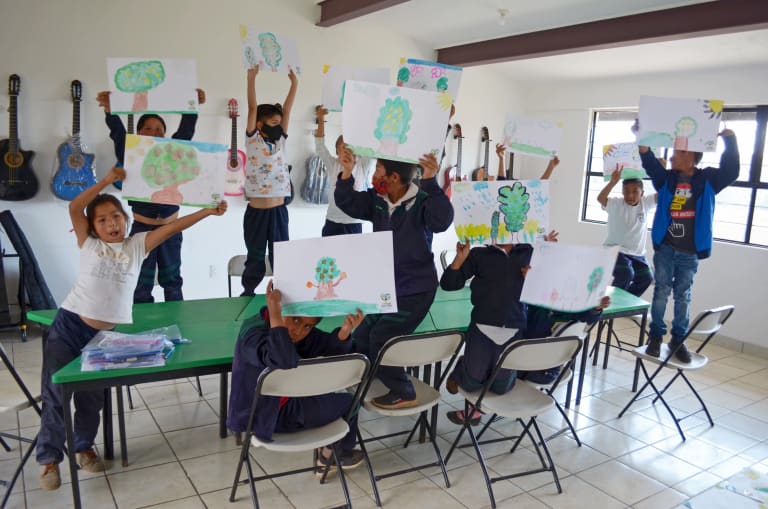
741 213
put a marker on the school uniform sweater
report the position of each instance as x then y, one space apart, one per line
496 285
412 221
259 347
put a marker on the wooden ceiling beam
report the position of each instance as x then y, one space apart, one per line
710 18
333 12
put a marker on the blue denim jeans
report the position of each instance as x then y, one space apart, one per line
674 273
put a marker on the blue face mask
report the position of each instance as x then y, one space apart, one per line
273 133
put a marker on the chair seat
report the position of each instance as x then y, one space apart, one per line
523 401
563 380
304 440
698 360
11 397
426 397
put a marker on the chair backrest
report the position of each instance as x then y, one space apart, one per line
710 321
539 354
313 377
236 265
572 328
420 349
15 394
444 257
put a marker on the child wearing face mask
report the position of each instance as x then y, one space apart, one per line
166 258
267 182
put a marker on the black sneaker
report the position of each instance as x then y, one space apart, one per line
682 353
654 347
349 460
392 401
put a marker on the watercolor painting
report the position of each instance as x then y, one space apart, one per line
334 77
567 277
394 123
433 76
270 51
152 85
624 156
532 136
345 273
174 172
501 212
682 124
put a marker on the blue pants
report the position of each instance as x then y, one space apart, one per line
632 273
299 414
674 273
166 258
66 337
377 329
261 229
332 228
475 367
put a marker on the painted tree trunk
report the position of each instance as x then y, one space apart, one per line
169 195
140 101
325 291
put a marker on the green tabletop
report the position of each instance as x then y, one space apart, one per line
253 307
42 316
451 314
443 295
624 302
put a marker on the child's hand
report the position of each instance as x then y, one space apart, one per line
462 253
320 113
500 150
103 99
274 305
292 76
554 161
551 236
115 174
616 175
604 303
453 111
347 161
351 321
252 72
200 96
220 209
429 164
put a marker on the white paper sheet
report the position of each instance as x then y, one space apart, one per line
624 156
432 76
685 124
152 85
532 136
271 51
334 77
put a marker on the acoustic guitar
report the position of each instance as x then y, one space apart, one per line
454 172
481 173
75 171
17 180
235 176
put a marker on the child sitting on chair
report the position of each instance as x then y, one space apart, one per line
271 340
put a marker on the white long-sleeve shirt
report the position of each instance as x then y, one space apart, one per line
362 173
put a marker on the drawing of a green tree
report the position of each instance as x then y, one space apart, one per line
167 166
513 203
393 124
325 273
403 75
442 84
271 50
495 227
595 278
139 78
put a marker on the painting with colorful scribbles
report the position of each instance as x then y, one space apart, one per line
174 172
396 123
152 85
334 77
433 76
567 277
270 51
624 157
682 124
501 211
532 136
332 276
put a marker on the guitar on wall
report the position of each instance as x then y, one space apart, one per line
235 176
454 173
129 130
481 173
17 180
75 171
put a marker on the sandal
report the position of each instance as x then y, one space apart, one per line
457 417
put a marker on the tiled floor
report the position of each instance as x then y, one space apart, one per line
638 461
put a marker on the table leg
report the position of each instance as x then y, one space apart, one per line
608 339
223 385
423 427
108 431
640 342
600 327
121 425
582 369
68 431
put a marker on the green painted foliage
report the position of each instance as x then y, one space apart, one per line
170 163
442 84
514 205
326 270
394 120
270 48
139 76
495 226
403 74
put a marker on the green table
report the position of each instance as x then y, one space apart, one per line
443 295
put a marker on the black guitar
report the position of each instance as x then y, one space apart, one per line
129 130
481 173
17 180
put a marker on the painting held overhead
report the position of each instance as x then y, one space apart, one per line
432 76
682 124
174 172
334 77
152 85
270 51
532 136
624 156
333 276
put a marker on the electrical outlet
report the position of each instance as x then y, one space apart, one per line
212 271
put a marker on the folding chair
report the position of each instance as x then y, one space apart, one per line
15 396
236 266
312 377
707 324
444 260
413 350
524 402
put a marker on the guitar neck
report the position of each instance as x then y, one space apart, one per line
130 123
485 162
233 154
458 161
13 131
76 125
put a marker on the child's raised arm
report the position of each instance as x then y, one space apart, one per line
615 177
288 104
160 235
77 206
252 104
550 168
500 152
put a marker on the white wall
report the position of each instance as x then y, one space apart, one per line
733 274
51 43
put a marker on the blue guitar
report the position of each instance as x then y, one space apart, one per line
75 171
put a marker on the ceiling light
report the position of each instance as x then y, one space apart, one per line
503 13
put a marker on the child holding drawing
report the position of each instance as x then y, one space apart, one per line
267 181
100 299
412 214
166 258
501 152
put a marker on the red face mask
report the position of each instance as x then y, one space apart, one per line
380 185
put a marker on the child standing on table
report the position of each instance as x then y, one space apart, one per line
336 221
166 258
267 181
628 229
412 214
276 341
100 299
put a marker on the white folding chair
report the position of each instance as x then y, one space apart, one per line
15 396
410 351
524 402
312 377
236 266
707 324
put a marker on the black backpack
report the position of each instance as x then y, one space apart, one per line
316 184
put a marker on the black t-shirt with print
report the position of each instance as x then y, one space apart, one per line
683 213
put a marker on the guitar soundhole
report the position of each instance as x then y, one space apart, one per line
233 164
75 161
14 160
